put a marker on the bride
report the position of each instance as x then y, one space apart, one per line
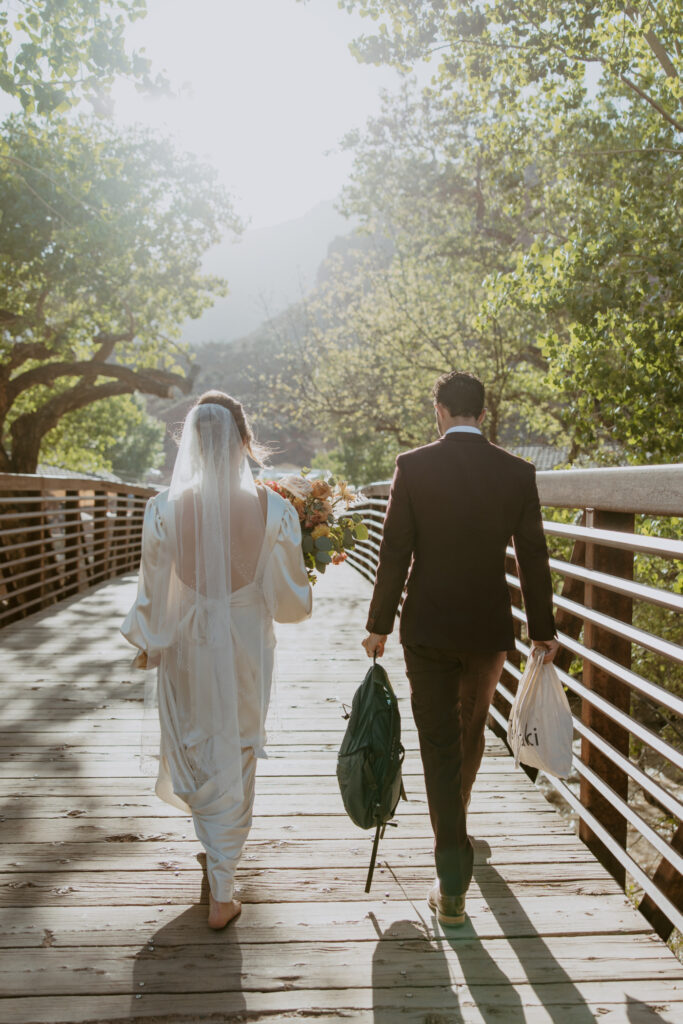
221 558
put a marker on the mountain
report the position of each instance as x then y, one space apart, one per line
267 269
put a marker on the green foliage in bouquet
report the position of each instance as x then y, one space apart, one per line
327 534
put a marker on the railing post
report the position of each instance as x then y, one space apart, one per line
34 515
130 511
72 538
117 540
616 562
88 537
668 879
100 536
573 590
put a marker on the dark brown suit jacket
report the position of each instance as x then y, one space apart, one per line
453 507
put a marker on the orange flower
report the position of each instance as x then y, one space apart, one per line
338 557
321 489
300 508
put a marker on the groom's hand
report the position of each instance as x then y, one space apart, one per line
551 648
374 644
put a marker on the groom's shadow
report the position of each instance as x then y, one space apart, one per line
424 968
493 993
416 973
186 958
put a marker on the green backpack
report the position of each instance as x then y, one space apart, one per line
370 758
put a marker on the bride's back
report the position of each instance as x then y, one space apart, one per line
219 519
235 541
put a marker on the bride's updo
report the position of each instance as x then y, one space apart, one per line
258 452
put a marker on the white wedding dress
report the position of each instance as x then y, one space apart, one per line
213 576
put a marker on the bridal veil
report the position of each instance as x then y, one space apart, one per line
205 550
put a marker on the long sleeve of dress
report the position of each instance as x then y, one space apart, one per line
147 625
287 590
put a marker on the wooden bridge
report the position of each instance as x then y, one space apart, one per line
103 905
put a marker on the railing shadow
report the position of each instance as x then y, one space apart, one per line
72 670
640 1013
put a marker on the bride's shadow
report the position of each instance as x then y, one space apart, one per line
186 958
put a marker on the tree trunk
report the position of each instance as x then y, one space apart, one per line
26 449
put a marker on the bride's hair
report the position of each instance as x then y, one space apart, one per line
258 452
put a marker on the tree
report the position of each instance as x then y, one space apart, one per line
443 211
580 104
114 434
505 48
246 369
607 289
101 239
55 52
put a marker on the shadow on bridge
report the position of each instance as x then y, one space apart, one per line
62 678
169 962
457 972
449 957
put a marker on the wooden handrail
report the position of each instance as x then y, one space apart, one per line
62 535
594 611
87 486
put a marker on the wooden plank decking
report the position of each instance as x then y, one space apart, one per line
100 882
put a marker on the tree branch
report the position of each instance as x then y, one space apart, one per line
107 342
655 44
678 125
22 351
29 429
90 370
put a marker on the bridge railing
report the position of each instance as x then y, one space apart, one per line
618 661
59 536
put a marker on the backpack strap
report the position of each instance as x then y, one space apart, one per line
379 831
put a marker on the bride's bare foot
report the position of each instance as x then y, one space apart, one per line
221 914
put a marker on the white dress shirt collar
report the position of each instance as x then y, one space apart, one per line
462 430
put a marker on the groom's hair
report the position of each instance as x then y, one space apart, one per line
461 393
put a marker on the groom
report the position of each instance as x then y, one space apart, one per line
453 507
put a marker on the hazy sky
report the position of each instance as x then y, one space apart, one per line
266 89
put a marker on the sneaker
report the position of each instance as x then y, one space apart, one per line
448 909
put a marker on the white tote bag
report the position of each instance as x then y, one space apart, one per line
540 726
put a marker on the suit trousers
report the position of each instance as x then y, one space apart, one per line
450 693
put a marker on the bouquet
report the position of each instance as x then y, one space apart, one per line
328 529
